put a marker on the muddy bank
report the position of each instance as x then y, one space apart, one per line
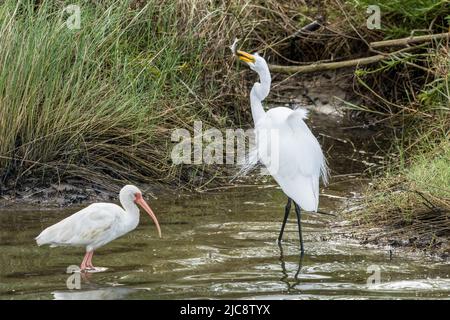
383 238
55 195
395 238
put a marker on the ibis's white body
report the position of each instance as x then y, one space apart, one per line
91 227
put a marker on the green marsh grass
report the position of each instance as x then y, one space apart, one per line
99 103
96 103
86 102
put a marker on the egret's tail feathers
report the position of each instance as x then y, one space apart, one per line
251 160
301 112
324 172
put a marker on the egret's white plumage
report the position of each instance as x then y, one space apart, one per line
300 160
285 145
98 224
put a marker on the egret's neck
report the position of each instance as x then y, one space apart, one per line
259 92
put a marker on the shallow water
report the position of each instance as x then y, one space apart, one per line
221 244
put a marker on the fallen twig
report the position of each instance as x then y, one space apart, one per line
315 67
408 40
328 66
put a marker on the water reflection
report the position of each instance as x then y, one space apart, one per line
285 278
83 287
95 293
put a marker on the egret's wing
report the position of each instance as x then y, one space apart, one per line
300 159
307 152
82 228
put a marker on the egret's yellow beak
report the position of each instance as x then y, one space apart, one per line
244 56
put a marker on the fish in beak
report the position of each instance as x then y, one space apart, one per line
243 56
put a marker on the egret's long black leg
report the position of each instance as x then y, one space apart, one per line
287 209
300 264
299 221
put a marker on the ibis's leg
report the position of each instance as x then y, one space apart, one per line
287 209
83 265
89 262
299 221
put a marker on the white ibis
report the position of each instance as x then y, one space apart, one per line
297 152
98 224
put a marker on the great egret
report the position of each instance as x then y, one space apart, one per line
98 224
294 157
